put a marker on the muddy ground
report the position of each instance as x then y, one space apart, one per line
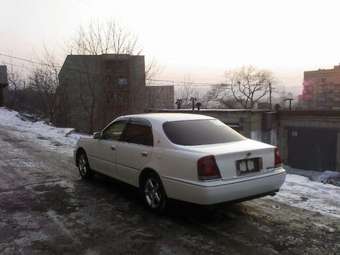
46 209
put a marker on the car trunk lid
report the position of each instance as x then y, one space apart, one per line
241 158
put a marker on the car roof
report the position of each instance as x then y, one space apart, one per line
164 117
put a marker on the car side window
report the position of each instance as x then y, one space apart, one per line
114 131
138 132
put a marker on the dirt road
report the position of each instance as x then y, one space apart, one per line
46 209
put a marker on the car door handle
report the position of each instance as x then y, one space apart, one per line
113 147
144 154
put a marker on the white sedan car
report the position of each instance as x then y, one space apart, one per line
186 157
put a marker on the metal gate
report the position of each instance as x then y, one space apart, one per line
312 148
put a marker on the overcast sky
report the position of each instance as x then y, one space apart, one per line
199 39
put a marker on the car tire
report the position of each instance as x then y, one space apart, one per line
83 166
153 193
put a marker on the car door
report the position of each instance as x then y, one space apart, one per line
134 150
105 148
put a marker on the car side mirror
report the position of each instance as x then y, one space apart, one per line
97 135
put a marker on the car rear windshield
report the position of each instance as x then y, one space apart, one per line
200 132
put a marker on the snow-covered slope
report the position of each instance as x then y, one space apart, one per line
297 191
53 138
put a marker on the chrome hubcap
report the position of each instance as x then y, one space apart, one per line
82 165
152 193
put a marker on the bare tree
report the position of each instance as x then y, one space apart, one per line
249 85
152 69
104 38
98 38
94 39
44 81
186 91
16 82
109 38
220 95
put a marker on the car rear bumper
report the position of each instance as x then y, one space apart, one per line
208 193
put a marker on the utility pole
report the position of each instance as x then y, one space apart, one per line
193 100
290 102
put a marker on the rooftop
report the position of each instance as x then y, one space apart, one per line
335 68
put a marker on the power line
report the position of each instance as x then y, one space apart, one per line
185 83
54 65
28 60
168 82
11 64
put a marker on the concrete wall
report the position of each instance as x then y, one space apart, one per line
115 82
137 90
160 97
79 79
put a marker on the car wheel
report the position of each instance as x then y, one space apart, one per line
153 193
83 166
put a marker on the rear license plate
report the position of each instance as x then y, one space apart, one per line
245 166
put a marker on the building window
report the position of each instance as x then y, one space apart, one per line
122 81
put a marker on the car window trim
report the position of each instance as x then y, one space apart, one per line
139 121
112 123
172 142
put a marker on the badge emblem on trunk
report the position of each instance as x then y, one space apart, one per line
248 154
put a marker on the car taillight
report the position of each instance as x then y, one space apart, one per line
278 161
207 169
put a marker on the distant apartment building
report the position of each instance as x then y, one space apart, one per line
321 89
94 89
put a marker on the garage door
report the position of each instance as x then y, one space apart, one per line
312 148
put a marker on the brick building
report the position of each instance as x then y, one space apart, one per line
321 89
94 89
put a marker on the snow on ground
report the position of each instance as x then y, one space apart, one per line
57 139
298 191
332 177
